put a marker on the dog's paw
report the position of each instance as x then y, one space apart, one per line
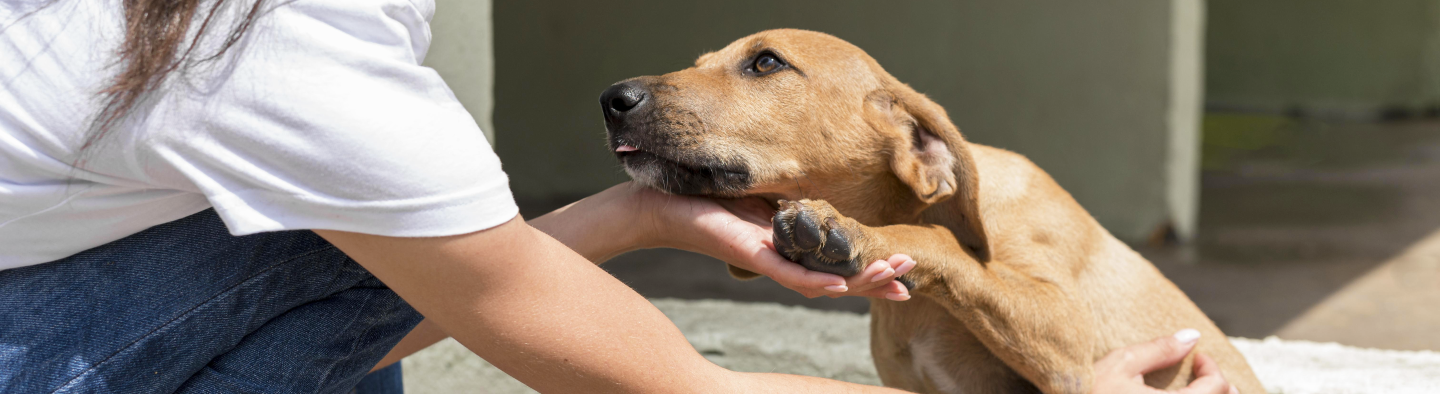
815 235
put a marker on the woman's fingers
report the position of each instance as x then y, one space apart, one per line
747 245
893 291
735 231
1122 370
881 274
877 273
906 264
809 283
1208 379
876 280
1149 356
1205 367
738 232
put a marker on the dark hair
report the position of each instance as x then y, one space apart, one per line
154 33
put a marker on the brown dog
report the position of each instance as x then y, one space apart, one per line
1018 287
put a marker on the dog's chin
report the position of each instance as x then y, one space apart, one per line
683 178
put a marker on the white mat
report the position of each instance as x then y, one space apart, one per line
1299 367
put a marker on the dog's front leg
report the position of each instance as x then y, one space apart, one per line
1026 314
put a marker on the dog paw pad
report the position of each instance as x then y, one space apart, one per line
814 235
837 246
807 232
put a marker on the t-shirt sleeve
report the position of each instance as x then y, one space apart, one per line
323 118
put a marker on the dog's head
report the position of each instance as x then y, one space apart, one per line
794 114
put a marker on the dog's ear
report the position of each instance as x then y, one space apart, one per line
932 158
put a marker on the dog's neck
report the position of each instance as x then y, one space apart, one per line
877 199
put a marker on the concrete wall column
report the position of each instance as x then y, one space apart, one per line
1187 62
462 50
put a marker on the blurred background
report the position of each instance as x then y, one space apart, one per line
1279 160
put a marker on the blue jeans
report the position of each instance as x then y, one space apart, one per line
186 307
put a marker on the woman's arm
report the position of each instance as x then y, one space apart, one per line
627 217
547 316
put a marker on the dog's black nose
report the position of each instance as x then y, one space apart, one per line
620 99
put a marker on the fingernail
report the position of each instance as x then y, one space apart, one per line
837 288
1187 336
877 264
896 296
882 275
905 267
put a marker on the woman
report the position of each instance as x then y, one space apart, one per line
194 196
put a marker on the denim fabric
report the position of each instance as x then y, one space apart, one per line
388 380
186 307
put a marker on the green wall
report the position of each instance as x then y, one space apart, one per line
1348 58
1087 90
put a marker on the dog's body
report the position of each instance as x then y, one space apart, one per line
1018 287
1114 297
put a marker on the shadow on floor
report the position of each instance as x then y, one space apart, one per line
1287 223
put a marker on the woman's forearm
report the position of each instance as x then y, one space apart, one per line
519 299
601 226
537 311
608 213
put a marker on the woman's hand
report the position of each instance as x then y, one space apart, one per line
739 233
1122 371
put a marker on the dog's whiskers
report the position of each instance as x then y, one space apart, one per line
801 186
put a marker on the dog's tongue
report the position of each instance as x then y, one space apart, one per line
625 148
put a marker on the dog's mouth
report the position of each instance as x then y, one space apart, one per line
696 176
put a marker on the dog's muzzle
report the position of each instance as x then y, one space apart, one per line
645 143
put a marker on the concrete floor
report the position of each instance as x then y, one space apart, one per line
763 337
1293 215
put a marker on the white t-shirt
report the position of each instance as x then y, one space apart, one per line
320 118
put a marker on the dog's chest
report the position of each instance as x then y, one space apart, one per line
922 348
929 364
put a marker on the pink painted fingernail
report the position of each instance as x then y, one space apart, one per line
882 275
1187 336
896 296
837 288
905 267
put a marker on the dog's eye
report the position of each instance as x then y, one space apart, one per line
766 63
